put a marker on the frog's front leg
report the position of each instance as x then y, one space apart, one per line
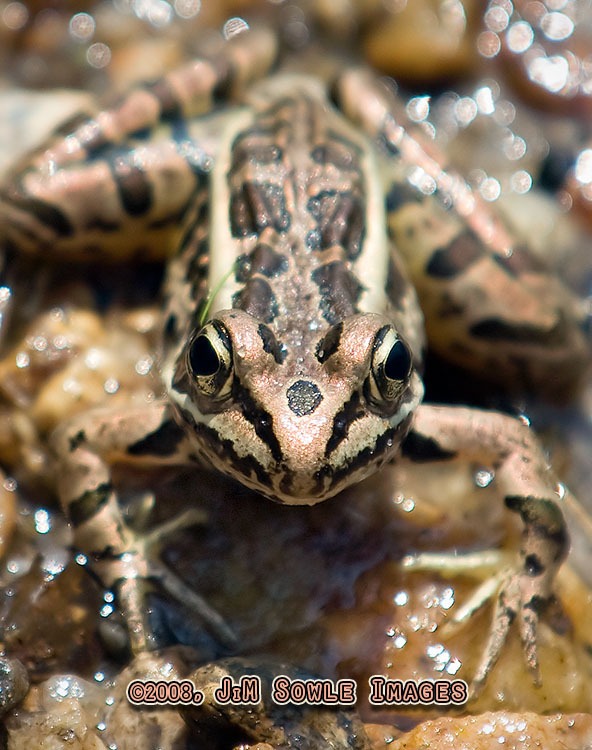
530 489
86 446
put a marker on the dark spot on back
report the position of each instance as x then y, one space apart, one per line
270 343
340 291
330 343
447 262
521 260
257 299
102 225
44 212
256 206
264 260
133 187
341 154
340 220
498 330
95 142
244 152
170 106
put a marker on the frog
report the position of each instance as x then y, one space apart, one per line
307 230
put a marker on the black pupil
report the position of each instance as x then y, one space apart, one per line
398 362
202 357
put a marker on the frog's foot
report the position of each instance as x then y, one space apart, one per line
517 598
126 559
133 571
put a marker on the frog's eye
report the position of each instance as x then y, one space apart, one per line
391 366
209 357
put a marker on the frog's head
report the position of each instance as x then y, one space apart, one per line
297 422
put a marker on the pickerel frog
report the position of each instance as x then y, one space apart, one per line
301 235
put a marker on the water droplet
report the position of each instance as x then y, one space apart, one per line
111 386
98 55
521 182
234 26
418 108
505 112
453 665
15 15
557 26
549 72
187 8
484 99
484 477
490 189
144 365
583 166
434 649
10 484
42 521
465 110
488 44
22 360
82 27
401 598
408 504
496 18
514 147
520 36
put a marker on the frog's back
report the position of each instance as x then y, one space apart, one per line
293 229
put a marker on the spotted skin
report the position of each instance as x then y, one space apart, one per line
292 335
472 277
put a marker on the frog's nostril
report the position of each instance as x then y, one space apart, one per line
303 397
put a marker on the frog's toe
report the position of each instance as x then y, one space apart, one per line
190 599
503 616
528 635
